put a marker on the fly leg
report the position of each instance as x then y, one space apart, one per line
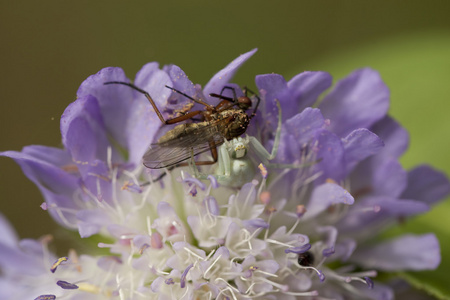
246 89
152 102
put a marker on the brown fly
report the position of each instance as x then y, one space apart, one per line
225 121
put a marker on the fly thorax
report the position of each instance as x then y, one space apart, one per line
238 125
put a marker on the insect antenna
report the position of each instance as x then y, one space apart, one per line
189 97
128 84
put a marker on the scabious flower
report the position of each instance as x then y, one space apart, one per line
304 227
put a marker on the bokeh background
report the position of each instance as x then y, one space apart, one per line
47 48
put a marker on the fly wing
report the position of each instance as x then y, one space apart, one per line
176 150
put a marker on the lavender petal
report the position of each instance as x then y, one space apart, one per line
357 101
408 252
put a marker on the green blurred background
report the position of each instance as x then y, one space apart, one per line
47 48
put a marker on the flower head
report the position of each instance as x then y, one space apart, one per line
303 225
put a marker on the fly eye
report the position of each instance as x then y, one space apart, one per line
244 103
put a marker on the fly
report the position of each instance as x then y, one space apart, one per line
223 122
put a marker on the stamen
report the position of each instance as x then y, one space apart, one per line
131 187
109 157
327 252
192 181
90 288
319 273
265 273
73 257
306 294
193 253
263 170
357 276
45 297
59 211
213 180
297 221
229 288
278 243
44 206
264 197
369 282
300 210
298 250
211 266
282 287
183 276
57 263
66 285
329 180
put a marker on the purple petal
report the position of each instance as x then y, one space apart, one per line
180 81
7 232
114 100
330 151
128 116
85 138
427 185
224 76
142 240
83 130
153 80
304 125
31 247
358 145
110 263
165 210
246 196
143 122
15 261
344 249
54 156
330 234
357 101
271 87
96 180
307 86
376 210
91 221
408 252
395 137
324 196
289 150
397 207
57 186
378 292
223 252
390 179
270 266
156 284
